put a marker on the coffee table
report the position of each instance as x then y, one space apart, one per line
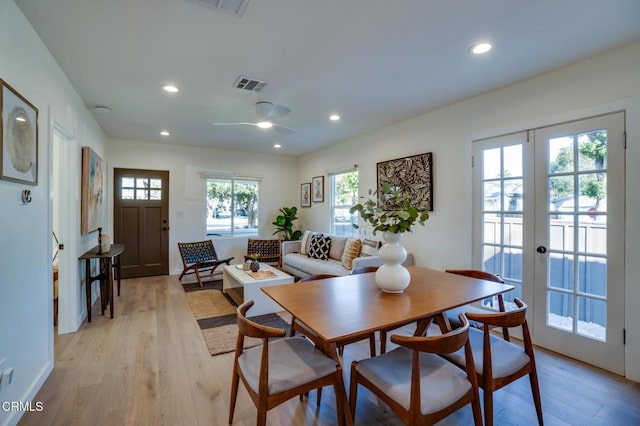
241 286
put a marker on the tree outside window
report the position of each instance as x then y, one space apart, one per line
344 194
232 206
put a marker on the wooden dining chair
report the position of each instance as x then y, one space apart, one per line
452 314
364 270
280 369
416 383
499 362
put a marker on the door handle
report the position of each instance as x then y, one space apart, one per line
541 249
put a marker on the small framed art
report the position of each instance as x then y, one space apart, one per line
305 194
18 137
317 184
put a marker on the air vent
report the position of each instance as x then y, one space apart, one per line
250 84
230 7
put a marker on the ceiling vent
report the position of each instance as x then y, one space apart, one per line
250 84
229 7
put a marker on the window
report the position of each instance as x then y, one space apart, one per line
344 194
232 206
141 188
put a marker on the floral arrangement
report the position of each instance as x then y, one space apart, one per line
400 215
254 256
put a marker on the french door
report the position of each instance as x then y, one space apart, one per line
549 219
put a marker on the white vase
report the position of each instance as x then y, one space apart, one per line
392 277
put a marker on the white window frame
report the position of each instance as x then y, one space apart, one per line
334 207
232 231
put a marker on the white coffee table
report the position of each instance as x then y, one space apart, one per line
241 286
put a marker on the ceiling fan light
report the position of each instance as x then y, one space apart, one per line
265 124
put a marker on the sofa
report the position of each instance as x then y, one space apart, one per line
297 261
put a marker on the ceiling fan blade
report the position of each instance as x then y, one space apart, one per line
282 129
245 123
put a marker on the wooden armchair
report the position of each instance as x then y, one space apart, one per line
198 257
268 251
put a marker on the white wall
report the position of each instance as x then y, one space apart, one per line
187 203
601 84
26 295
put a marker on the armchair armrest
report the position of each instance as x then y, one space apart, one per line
290 247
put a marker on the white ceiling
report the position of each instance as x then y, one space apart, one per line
375 62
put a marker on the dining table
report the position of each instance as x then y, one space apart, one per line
343 307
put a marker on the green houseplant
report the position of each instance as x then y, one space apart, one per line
390 211
284 224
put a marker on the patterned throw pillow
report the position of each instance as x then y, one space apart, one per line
319 247
306 240
351 250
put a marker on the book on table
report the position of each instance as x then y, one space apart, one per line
262 275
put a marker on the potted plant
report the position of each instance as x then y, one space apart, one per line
284 224
392 213
254 265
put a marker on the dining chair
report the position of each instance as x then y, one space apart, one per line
417 384
299 327
280 369
364 270
499 362
452 314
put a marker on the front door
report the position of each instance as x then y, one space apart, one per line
141 208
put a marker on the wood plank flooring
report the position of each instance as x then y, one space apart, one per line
149 366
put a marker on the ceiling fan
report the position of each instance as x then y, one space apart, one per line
266 112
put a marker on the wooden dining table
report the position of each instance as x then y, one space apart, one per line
353 305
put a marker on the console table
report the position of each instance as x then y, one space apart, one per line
108 260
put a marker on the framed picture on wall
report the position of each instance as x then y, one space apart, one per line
413 175
305 194
317 185
18 137
91 191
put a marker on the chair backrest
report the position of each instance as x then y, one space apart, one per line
317 277
198 251
268 251
438 344
249 328
475 273
510 319
364 270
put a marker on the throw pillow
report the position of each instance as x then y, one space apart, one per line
319 247
306 240
351 251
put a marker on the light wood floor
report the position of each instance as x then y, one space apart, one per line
149 366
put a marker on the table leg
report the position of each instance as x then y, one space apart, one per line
103 295
87 274
118 271
109 283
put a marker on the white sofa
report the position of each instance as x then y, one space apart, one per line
300 265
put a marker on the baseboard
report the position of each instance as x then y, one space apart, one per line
30 394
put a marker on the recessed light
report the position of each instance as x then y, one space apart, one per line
170 88
101 109
266 124
277 146
334 117
20 118
480 48
165 133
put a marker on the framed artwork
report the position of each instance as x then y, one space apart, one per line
305 194
409 174
18 137
317 184
91 191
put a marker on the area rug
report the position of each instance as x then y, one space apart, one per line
215 313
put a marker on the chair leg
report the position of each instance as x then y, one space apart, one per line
383 341
318 397
262 414
292 332
342 405
353 391
477 411
535 390
234 393
372 344
488 407
198 276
